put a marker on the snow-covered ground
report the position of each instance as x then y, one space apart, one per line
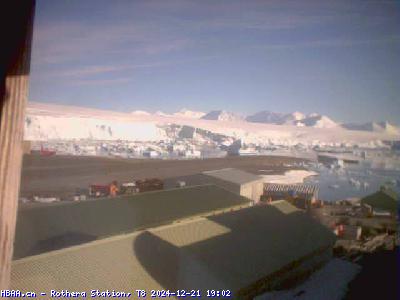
290 177
328 283
48 121
47 127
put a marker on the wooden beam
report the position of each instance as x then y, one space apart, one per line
16 34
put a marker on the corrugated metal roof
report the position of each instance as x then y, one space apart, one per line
227 251
233 175
47 227
297 188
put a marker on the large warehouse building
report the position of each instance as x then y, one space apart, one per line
243 252
42 228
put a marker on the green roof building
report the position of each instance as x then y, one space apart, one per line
45 227
385 199
244 251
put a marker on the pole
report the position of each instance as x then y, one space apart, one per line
16 34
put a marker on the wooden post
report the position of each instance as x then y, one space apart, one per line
16 34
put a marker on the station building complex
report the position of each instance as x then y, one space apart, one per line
46 227
194 238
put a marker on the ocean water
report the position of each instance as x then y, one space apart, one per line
354 180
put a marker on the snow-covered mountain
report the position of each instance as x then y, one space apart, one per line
186 113
50 127
222 115
59 122
269 117
317 121
296 118
183 113
383 127
293 117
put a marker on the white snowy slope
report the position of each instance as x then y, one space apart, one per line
269 117
384 127
41 128
54 122
296 118
186 113
221 115
389 128
317 121
293 117
49 121
290 177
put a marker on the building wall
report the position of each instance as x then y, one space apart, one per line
258 190
42 228
246 190
191 255
252 190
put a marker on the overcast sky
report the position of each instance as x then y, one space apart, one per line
339 58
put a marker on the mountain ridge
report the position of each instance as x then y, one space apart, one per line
222 115
296 118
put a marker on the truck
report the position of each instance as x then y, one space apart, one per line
149 184
99 190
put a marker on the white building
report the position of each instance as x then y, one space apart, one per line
193 154
243 183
